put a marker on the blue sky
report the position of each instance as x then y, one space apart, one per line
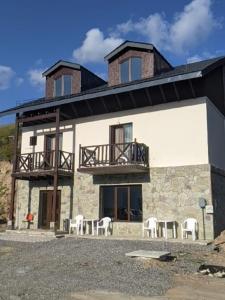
35 34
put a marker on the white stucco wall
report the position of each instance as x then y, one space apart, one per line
176 133
216 136
66 128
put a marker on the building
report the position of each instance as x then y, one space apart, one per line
150 142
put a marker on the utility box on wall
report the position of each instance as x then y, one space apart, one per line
209 209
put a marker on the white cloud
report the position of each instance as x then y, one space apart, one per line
95 46
35 78
204 55
187 29
6 75
19 81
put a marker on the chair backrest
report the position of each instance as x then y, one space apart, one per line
190 224
151 222
106 221
79 218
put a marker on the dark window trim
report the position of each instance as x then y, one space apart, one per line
113 127
129 67
33 140
115 202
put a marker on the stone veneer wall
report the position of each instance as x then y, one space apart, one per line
218 195
27 193
171 192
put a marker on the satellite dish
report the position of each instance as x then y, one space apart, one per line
202 203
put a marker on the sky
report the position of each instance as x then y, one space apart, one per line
36 34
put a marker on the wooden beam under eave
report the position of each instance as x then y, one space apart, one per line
176 91
74 110
132 99
118 100
89 107
192 88
148 95
104 104
162 93
37 117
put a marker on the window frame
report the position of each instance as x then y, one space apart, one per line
62 85
129 68
115 201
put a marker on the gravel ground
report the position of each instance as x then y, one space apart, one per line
57 268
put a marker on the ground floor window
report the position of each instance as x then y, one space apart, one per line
121 203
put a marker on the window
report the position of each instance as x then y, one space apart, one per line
58 87
121 203
121 133
63 86
33 141
67 84
130 69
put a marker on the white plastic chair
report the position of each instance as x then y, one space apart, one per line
104 224
190 225
77 223
151 226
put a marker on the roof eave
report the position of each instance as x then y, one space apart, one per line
59 64
113 91
128 44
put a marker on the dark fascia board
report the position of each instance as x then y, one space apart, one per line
61 63
112 91
131 45
218 63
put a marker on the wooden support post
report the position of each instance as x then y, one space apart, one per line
13 182
56 166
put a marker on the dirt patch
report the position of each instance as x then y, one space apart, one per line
5 251
196 287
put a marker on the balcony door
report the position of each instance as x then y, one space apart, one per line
120 135
46 209
50 149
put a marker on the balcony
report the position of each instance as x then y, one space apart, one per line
114 159
41 164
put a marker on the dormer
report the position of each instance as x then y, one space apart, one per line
66 78
133 61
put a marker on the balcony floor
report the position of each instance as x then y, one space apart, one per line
118 169
34 175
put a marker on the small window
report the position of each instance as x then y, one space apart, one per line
130 69
135 68
124 71
58 87
121 203
67 85
63 86
33 141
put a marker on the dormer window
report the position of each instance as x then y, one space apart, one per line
130 69
63 85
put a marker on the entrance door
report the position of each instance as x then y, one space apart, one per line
45 209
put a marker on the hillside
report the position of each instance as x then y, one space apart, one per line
6 142
6 150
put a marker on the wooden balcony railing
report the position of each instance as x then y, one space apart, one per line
114 154
44 161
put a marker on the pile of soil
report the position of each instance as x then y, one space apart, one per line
5 189
220 241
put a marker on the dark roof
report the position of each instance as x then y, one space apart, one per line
182 72
60 63
130 44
